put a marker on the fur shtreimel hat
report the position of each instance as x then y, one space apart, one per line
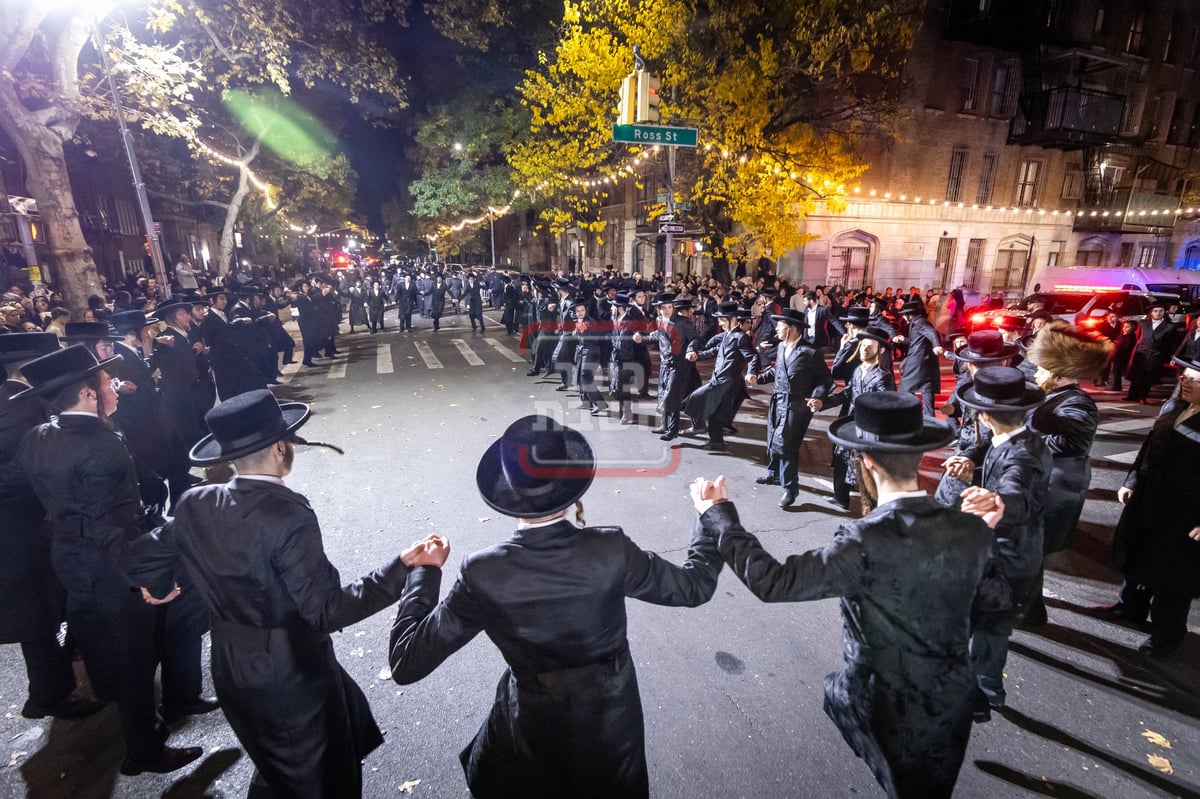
1064 350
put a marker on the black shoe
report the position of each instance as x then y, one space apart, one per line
693 432
669 436
628 421
716 446
173 713
169 759
1119 612
600 408
982 711
1035 616
789 496
67 709
532 373
730 430
562 388
658 431
285 363
767 480
309 363
1159 647
837 503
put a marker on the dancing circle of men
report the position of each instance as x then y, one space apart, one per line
100 435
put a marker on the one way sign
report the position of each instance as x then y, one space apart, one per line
670 227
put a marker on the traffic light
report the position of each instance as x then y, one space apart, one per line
647 97
627 110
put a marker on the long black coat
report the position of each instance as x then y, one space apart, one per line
908 574
472 300
1067 423
723 394
376 304
1151 546
437 305
803 375
920 366
407 298
860 382
233 370
181 386
677 376
567 721
31 599
274 599
358 306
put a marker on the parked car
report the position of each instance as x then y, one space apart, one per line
1087 309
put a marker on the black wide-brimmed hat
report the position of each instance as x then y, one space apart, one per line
663 298
792 317
915 307
126 321
727 310
61 368
858 315
682 303
18 347
562 284
889 421
162 312
876 334
536 468
89 331
622 301
1182 363
999 388
986 348
246 423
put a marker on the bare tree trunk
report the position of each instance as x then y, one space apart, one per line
234 209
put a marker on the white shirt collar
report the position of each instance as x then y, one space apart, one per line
79 413
891 496
524 525
1003 438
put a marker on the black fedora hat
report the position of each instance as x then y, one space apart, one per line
126 321
727 310
1182 363
246 423
61 368
914 307
999 388
89 331
682 303
562 284
792 317
622 301
163 312
876 334
986 348
858 315
18 347
890 421
536 468
664 298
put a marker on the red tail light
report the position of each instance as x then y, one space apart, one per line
979 319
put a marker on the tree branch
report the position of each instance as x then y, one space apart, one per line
181 201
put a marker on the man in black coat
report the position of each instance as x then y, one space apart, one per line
823 329
231 365
437 301
377 300
677 376
1156 339
306 312
920 346
473 300
1067 422
713 405
1157 541
562 361
1016 467
175 360
799 374
907 574
407 298
82 474
274 599
31 598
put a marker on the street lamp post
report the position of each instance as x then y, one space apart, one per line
139 187
492 222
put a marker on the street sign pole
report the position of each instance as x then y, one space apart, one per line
667 261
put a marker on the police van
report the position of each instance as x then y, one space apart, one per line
1184 283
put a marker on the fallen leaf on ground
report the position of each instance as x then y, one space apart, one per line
384 674
1161 763
408 785
1156 739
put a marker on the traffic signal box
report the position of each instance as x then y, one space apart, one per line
627 110
639 98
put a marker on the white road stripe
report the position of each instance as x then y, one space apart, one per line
1123 457
466 352
505 351
383 359
1144 423
431 360
289 371
337 369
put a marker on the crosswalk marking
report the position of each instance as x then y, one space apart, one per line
505 351
383 359
431 360
337 369
289 371
467 352
1144 423
1122 457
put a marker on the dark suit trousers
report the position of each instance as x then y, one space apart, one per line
181 625
48 668
927 393
1168 612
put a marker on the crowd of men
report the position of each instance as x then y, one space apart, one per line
102 524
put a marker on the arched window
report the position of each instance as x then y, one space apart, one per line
851 259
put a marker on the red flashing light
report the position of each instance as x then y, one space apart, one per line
1093 289
978 319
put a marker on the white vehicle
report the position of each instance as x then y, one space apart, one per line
1183 282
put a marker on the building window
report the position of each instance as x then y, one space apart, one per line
954 181
1135 42
1009 274
1149 257
1167 44
848 266
968 100
1194 131
1098 25
987 179
1193 46
1027 186
1177 132
944 266
974 261
1156 107
1126 253
1135 104
1191 257
1052 259
1006 87
126 219
1073 185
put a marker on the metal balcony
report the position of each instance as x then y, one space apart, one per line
1142 213
1067 118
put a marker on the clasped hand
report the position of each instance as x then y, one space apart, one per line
706 493
432 550
987 505
959 467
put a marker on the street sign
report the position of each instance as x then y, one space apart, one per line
655 134
671 227
683 206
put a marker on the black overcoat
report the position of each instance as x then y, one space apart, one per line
567 721
723 394
802 375
252 550
920 366
232 368
1067 423
677 376
1151 546
908 574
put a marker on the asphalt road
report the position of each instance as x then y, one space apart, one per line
732 691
